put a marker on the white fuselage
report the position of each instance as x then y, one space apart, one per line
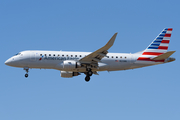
54 60
74 63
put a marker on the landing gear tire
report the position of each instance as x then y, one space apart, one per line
87 78
27 70
90 73
26 75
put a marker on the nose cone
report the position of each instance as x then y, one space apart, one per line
8 62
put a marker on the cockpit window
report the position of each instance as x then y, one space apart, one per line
17 54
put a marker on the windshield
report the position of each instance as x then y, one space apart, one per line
17 54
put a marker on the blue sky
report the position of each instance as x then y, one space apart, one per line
149 93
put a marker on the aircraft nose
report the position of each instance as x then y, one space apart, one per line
9 61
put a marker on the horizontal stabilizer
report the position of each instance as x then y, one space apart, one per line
163 56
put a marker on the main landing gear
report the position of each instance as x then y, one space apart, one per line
27 70
88 74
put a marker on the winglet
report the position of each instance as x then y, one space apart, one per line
111 41
100 53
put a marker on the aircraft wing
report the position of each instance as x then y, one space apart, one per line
96 56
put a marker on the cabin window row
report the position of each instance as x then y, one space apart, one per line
77 56
61 55
116 57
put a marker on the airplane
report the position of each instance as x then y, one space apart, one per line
72 64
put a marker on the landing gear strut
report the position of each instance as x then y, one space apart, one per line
88 74
27 70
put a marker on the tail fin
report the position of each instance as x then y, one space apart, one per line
159 45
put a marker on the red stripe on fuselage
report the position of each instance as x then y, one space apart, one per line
152 53
149 59
144 59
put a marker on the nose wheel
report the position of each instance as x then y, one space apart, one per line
26 75
27 70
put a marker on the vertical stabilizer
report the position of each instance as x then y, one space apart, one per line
158 46
160 43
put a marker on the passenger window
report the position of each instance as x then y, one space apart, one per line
71 55
121 57
75 55
112 56
67 55
125 57
116 56
79 55
49 54
45 55
58 55
54 55
63 55
40 54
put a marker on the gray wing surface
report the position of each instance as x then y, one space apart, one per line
95 57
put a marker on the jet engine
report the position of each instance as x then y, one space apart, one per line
69 74
70 65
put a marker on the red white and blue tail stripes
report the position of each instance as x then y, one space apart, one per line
161 42
158 46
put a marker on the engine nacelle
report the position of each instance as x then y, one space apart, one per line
69 74
70 65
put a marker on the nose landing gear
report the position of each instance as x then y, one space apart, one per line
26 75
27 70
